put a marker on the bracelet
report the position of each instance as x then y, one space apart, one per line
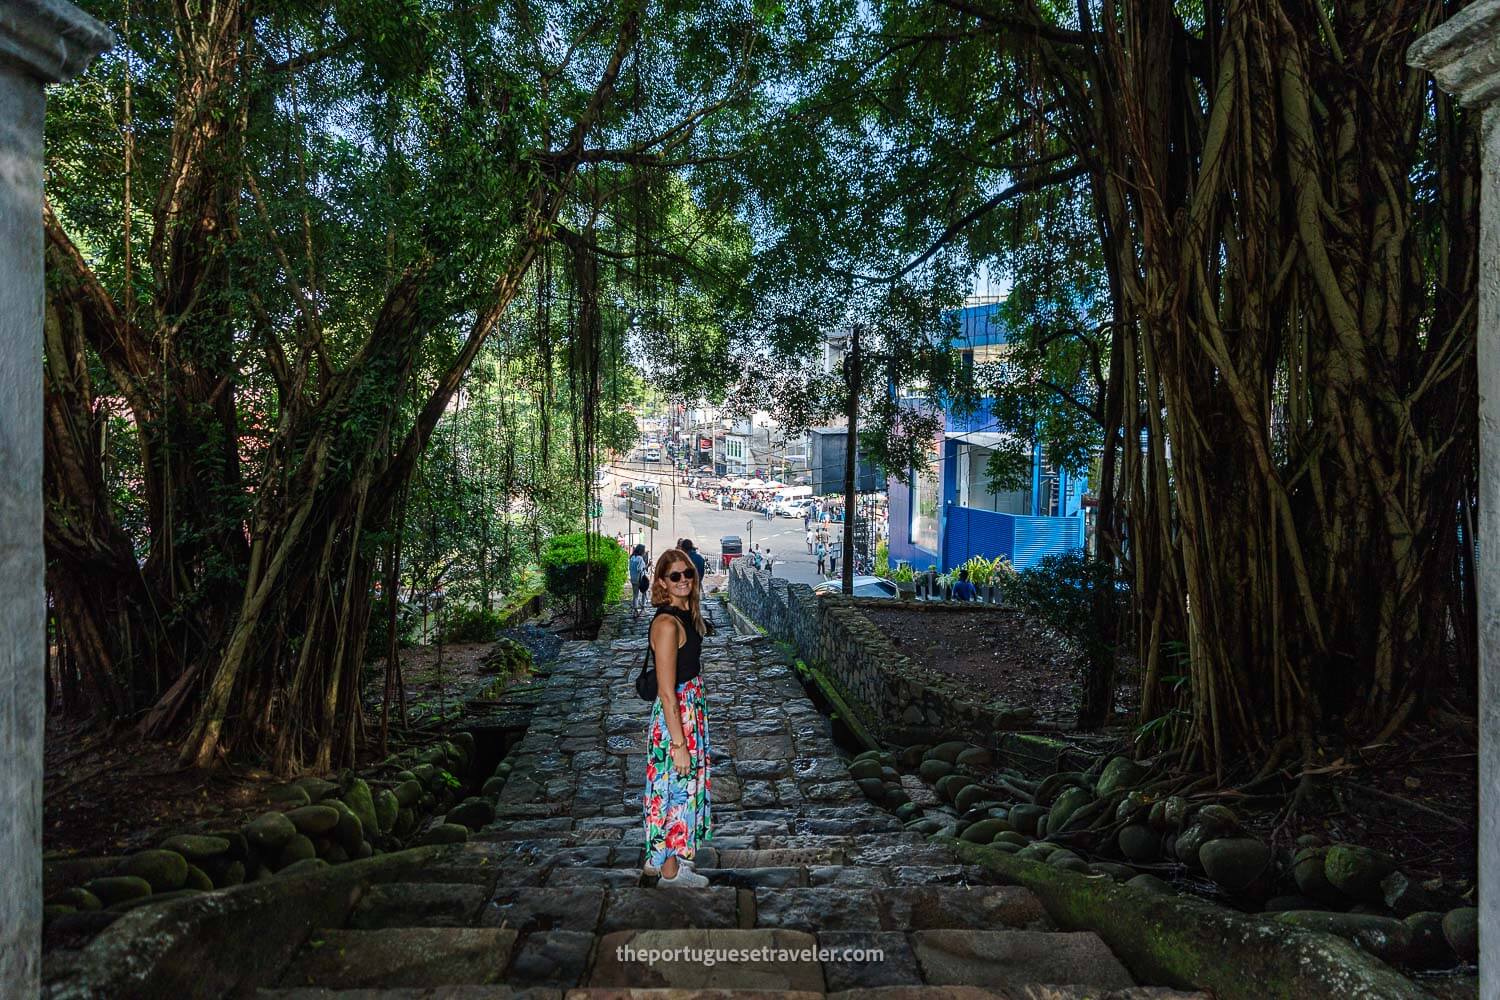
673 744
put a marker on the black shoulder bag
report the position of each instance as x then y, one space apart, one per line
645 681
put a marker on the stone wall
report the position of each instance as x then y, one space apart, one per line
900 701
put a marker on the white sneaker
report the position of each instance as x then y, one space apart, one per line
685 878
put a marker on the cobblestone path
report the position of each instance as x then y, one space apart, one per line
552 901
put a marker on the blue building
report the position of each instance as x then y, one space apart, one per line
946 515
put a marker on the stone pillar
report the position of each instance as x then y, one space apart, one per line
1463 55
41 42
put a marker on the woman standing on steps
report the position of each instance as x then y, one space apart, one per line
676 801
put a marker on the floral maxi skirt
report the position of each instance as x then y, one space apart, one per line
677 809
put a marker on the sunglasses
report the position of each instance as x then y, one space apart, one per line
677 575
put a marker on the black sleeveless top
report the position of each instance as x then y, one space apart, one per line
688 664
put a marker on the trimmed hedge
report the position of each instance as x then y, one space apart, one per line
572 575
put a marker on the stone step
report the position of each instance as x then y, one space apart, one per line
417 904
407 956
493 992
780 857
1013 959
899 908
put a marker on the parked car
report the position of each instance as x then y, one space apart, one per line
793 508
653 455
864 586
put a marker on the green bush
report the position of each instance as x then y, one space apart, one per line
572 574
1061 590
882 559
471 624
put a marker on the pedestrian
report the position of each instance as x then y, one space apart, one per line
810 541
770 563
834 551
822 554
676 802
963 590
639 583
807 523
699 563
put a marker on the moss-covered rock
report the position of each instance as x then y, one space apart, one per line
1429 945
1070 801
317 789
970 795
386 808
1309 873
1219 820
1119 773
974 757
114 889
984 831
349 830
1024 817
867 768
949 786
299 848
408 793
1139 843
1147 882
406 822
223 872
473 813
1010 837
1189 844
164 870
198 879
359 799
912 756
270 832
289 795
948 751
304 867
932 771
1357 871
444 833
1461 929
80 898
314 820
1235 863
196 847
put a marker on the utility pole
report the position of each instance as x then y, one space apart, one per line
851 449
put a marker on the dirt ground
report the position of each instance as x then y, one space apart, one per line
107 794
1414 797
1004 654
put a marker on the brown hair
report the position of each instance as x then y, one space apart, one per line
659 594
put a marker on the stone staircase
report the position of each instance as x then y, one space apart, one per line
813 890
